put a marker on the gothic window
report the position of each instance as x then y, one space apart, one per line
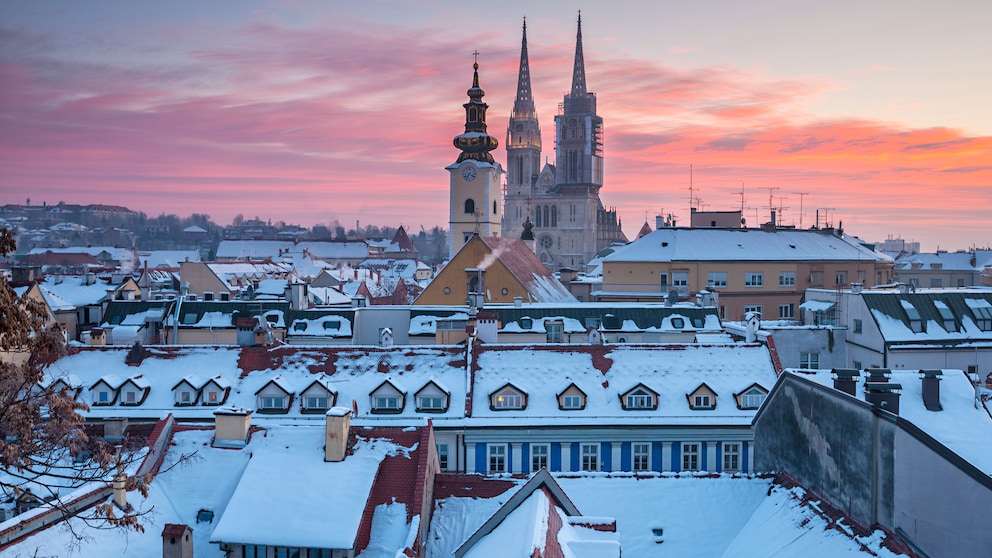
473 115
547 219
470 206
554 215
537 217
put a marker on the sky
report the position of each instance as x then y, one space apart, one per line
875 113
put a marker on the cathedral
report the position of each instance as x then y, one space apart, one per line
560 201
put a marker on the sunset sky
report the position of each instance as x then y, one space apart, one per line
313 112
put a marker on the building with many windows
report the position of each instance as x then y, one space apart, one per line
750 270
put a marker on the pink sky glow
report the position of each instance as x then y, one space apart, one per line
342 119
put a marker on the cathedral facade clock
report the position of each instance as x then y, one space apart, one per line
468 172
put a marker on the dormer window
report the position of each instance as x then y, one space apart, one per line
387 398
702 401
640 399
946 316
752 397
507 398
703 398
272 402
915 321
432 398
315 402
572 398
554 329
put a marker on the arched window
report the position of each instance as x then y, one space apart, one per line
494 209
554 215
547 217
470 206
537 217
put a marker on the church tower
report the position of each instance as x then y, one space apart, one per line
579 150
476 196
523 150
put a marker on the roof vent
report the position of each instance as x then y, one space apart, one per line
931 389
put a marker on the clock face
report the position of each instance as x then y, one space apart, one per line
468 173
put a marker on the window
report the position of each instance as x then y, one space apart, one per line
786 278
983 317
185 397
946 316
715 279
756 308
640 456
272 402
786 311
554 330
816 279
809 361
701 402
497 458
857 364
752 398
690 457
936 282
639 399
915 321
508 399
590 457
212 396
129 397
663 280
571 402
442 456
680 280
539 457
754 279
858 326
103 396
430 402
386 403
960 282
315 402
840 278
731 458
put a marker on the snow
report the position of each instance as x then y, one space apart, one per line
701 517
957 426
288 495
391 530
522 532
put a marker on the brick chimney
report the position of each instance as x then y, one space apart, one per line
337 425
845 379
177 541
931 389
231 427
114 428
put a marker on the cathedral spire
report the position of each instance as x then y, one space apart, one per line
523 106
579 70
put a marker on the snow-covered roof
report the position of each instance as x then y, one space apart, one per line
168 258
958 425
324 250
66 292
681 244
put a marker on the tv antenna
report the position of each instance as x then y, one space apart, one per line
801 196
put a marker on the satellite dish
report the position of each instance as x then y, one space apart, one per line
743 221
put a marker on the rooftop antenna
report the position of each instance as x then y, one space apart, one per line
801 196
771 201
826 216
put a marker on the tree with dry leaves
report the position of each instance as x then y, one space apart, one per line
45 452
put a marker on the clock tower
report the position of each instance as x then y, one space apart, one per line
476 196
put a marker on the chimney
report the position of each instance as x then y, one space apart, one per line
177 541
931 389
880 392
113 428
845 379
120 490
231 427
856 288
337 425
518 302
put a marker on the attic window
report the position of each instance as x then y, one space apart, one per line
983 317
752 398
332 325
915 322
191 318
432 402
678 323
640 399
526 323
272 318
386 403
946 316
702 402
571 401
300 326
508 398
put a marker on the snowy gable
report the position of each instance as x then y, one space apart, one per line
432 398
751 397
639 398
508 397
104 390
134 391
318 397
387 398
274 396
572 398
703 398
187 390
